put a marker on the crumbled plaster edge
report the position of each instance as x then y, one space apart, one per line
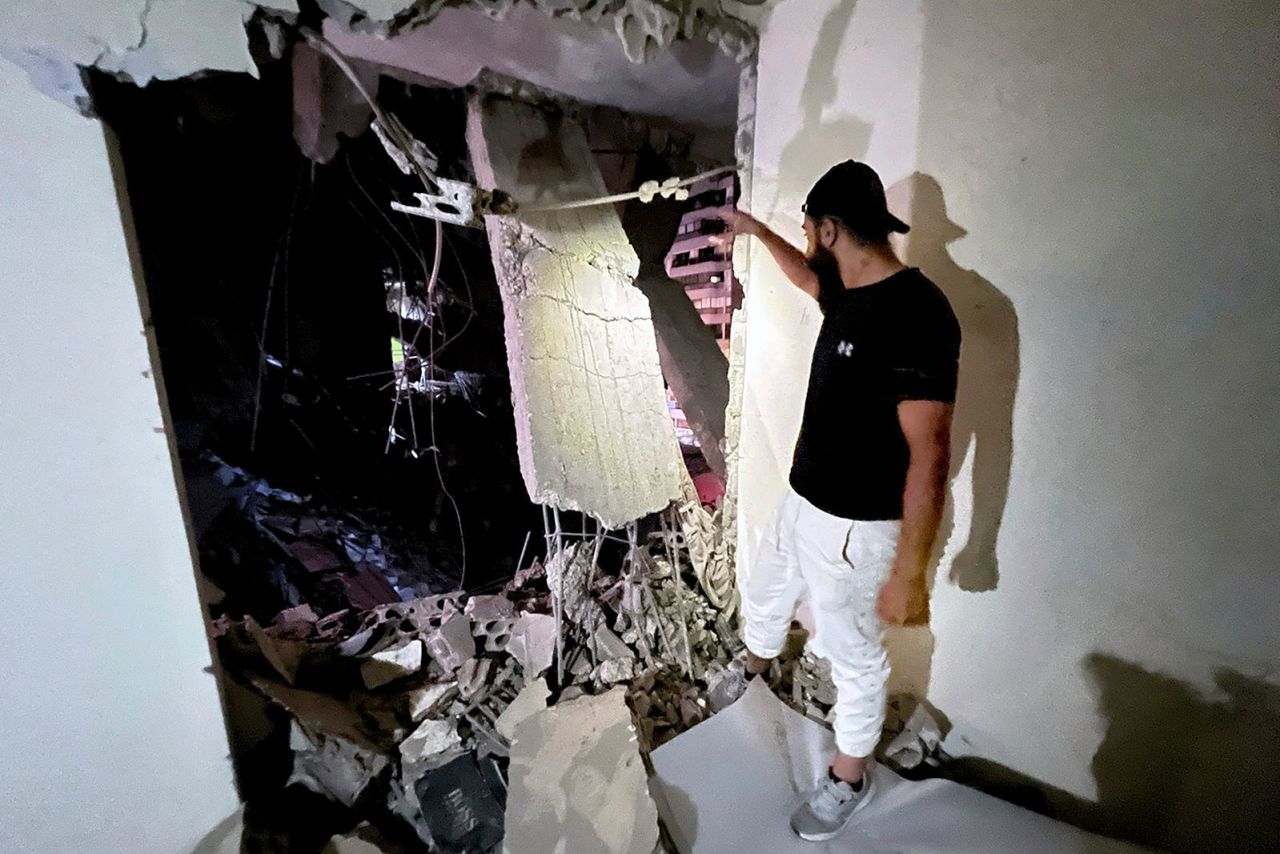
55 59
644 27
744 147
57 70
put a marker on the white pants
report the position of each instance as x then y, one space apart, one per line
838 566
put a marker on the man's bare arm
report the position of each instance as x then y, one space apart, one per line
788 258
926 424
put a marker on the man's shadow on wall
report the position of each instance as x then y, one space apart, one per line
1179 768
989 365
822 140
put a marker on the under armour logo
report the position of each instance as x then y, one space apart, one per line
844 348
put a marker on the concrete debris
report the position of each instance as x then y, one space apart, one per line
724 686
917 743
486 609
369 707
295 621
568 572
710 546
531 700
452 645
365 724
565 279
333 766
665 705
283 654
473 677
274 551
577 782
616 670
496 634
644 27
811 682
395 662
608 646
430 739
430 700
533 643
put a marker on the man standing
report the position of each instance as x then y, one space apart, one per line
854 532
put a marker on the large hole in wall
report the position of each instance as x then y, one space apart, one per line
287 300
346 440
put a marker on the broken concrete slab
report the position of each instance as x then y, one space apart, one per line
608 645
430 699
392 663
333 766
431 738
485 609
533 643
531 700
366 726
577 782
592 427
917 742
616 670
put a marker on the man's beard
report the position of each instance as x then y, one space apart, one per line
824 265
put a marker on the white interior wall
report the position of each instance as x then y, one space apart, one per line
1115 168
113 738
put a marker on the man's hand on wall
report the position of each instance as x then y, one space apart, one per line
738 222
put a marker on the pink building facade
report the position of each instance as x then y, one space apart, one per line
706 271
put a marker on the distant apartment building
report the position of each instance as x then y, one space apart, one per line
705 271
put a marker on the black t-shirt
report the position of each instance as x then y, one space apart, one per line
880 344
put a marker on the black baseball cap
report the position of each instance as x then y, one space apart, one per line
852 193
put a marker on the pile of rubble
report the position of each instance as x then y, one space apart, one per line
442 717
268 550
413 711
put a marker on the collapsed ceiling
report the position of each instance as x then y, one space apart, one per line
678 49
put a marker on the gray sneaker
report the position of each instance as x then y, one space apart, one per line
829 809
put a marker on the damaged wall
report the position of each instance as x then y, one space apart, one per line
141 40
690 82
1094 188
592 424
113 737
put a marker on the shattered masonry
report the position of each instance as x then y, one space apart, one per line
644 27
578 782
410 709
592 426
